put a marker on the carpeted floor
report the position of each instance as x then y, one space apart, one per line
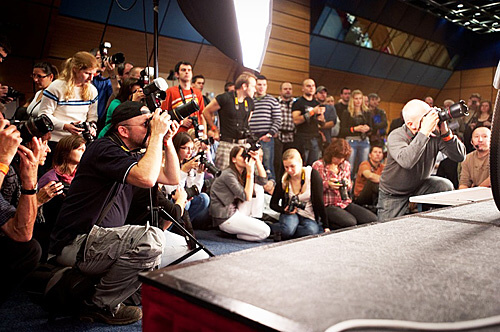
20 314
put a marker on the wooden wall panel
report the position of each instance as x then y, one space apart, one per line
453 81
477 77
282 74
291 22
290 35
292 8
285 61
292 49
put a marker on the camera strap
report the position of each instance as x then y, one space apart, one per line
302 182
182 94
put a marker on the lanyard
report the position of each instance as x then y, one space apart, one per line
182 94
236 103
302 182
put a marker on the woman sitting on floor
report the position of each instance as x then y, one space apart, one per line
300 192
231 196
335 172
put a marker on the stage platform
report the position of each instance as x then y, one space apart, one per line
438 266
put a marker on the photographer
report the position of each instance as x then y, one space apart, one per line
335 172
43 75
90 233
72 98
411 156
4 51
235 108
19 252
232 196
192 174
300 194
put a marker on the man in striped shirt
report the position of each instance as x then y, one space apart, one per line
265 122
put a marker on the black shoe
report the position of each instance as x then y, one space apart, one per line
125 315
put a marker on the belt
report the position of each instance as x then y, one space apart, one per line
355 138
234 140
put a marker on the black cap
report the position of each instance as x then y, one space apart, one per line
321 88
127 110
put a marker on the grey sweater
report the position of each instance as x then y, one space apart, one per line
411 158
225 192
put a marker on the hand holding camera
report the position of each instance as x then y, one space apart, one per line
429 122
10 139
29 159
72 128
190 164
160 123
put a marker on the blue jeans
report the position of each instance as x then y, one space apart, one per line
268 160
294 225
198 209
360 151
391 206
309 149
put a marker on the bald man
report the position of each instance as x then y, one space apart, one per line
412 150
476 167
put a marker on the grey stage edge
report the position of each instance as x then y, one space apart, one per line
438 266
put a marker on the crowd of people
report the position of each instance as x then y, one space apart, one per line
84 201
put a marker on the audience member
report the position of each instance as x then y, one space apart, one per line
234 111
231 196
129 90
183 94
356 126
66 158
429 100
123 70
97 204
396 123
473 105
476 167
379 120
199 83
265 122
335 173
412 151
298 197
192 173
5 50
330 115
285 138
368 178
345 95
307 113
229 86
72 98
19 252
481 118
43 75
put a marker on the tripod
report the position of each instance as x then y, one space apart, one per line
160 212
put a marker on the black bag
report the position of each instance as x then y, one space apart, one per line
59 290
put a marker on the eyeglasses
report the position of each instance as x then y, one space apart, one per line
33 76
145 124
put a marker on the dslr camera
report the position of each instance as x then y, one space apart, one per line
456 110
190 191
294 202
198 131
209 166
254 146
116 58
86 126
344 192
33 127
13 93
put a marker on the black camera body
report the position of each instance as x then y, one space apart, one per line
254 146
34 127
294 202
184 110
116 58
86 126
344 192
13 93
456 110
190 191
209 166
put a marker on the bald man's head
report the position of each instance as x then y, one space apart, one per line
413 112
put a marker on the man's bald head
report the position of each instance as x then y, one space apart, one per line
414 110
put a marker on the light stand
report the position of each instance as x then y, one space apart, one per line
156 5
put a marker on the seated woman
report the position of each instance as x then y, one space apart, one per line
300 192
335 171
192 174
129 90
232 195
66 158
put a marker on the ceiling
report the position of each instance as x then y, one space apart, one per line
480 16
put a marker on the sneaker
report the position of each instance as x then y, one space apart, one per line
125 315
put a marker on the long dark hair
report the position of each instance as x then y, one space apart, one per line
180 139
63 150
126 89
47 68
232 166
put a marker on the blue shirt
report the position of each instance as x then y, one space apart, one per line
104 90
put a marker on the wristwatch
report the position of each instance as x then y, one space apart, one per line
269 135
30 191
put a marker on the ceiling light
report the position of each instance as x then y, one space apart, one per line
460 5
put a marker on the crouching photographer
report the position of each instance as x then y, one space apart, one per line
298 196
232 196
192 177
19 252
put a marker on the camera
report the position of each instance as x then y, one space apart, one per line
456 110
344 192
198 132
294 202
34 127
185 110
209 166
116 58
13 93
154 91
190 191
86 126
254 146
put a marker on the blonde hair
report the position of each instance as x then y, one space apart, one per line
350 107
79 61
287 155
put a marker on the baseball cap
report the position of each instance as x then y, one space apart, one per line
321 88
128 110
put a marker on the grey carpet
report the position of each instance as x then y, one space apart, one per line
415 268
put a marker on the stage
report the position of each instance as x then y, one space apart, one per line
438 266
